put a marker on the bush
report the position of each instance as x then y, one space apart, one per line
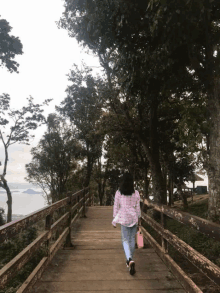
2 221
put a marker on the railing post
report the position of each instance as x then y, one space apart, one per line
90 197
84 204
48 224
143 209
164 242
68 242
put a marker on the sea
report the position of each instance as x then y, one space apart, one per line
23 204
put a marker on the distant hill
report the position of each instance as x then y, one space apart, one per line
14 185
31 191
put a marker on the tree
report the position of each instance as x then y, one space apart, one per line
20 123
9 47
195 39
83 106
146 62
100 177
54 159
2 221
132 63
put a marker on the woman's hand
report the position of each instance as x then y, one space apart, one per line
114 226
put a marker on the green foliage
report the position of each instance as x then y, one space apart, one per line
153 93
19 125
10 47
22 121
12 248
83 106
54 158
2 221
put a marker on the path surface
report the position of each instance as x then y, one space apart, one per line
97 263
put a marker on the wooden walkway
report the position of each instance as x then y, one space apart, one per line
97 262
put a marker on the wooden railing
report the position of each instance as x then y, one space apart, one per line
73 203
204 226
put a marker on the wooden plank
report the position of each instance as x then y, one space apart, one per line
207 267
107 257
187 283
34 276
204 226
110 285
149 252
121 291
143 261
12 268
76 206
59 222
101 267
77 215
54 248
11 229
37 272
84 268
105 276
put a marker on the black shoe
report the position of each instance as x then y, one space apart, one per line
132 267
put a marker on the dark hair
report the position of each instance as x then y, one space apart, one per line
127 184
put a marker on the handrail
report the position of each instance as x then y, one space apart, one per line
11 229
202 225
73 202
206 227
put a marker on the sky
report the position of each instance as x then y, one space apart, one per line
48 56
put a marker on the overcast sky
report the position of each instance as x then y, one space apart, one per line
49 54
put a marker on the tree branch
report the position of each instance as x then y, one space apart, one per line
6 154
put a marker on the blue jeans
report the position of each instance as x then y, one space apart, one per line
128 240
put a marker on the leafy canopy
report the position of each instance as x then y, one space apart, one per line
10 46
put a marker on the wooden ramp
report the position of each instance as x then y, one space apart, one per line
97 262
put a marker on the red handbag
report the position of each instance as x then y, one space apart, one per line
140 239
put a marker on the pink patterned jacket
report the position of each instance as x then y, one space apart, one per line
126 209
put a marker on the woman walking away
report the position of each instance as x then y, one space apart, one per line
127 212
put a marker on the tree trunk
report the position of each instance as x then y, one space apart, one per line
101 192
88 170
158 181
9 201
170 190
182 195
179 190
3 182
146 186
146 179
214 157
185 202
159 188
